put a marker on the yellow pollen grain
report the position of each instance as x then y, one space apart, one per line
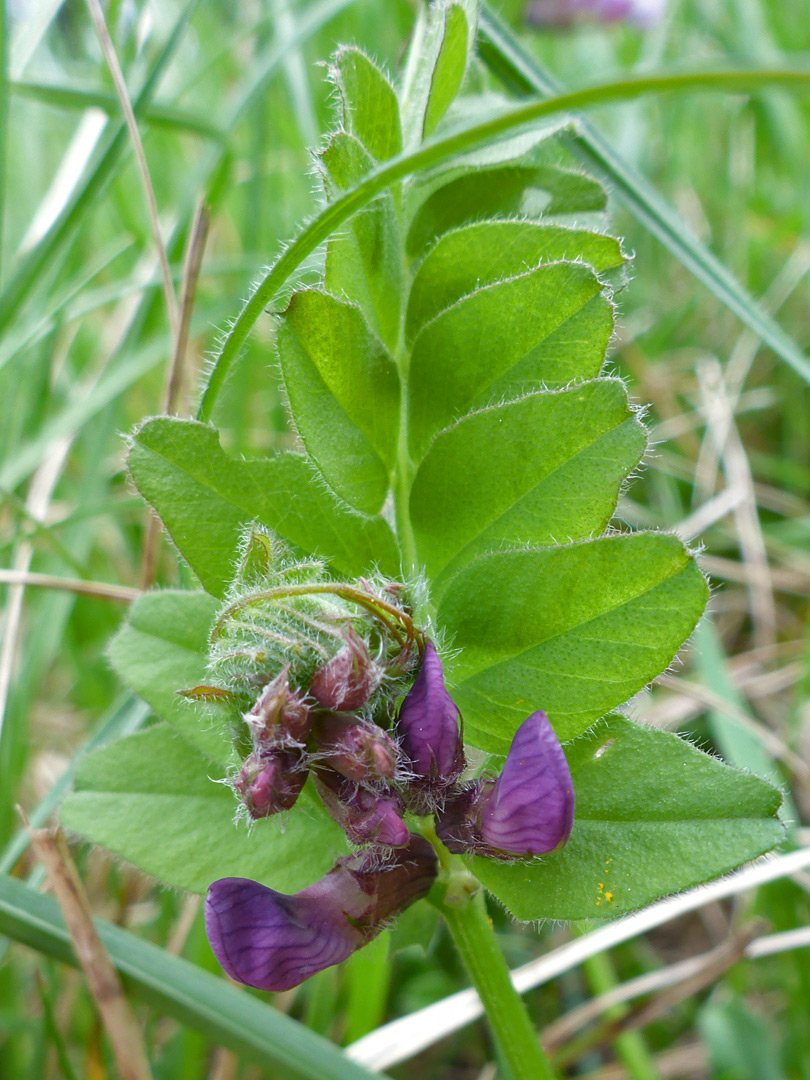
609 897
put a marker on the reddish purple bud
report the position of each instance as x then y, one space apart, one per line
358 750
279 715
349 679
428 726
274 942
270 782
528 810
366 816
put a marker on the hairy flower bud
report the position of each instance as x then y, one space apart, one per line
348 680
271 781
274 942
366 816
279 716
428 727
358 750
528 810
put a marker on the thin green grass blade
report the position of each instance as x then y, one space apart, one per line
71 97
438 150
506 58
34 263
225 1015
4 85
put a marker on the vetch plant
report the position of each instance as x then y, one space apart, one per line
461 451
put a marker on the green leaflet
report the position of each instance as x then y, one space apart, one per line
206 498
370 105
518 188
163 648
451 63
542 470
573 630
343 391
364 261
654 815
485 252
153 799
546 327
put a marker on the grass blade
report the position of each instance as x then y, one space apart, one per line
224 1014
520 71
33 264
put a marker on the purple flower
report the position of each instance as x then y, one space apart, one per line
348 680
358 750
566 12
528 810
279 715
365 815
428 727
272 941
271 781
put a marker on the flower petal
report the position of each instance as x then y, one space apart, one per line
530 808
272 941
428 724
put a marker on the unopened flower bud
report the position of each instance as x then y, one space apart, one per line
274 942
528 810
348 680
279 715
366 816
270 782
428 727
358 750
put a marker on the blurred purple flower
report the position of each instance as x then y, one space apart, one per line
527 810
428 727
566 12
365 815
273 941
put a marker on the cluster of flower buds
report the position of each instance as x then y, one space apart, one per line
340 656
566 12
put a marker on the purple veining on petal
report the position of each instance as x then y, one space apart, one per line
273 942
530 808
428 725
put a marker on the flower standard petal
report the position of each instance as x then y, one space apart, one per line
530 808
428 725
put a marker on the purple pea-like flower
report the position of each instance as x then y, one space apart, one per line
365 815
358 750
428 728
348 680
528 810
279 715
565 12
272 941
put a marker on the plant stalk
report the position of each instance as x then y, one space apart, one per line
472 933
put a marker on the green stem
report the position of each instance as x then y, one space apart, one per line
471 929
442 148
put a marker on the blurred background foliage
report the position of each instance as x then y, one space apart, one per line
240 95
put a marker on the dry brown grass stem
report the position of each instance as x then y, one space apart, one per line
116 1013
103 590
